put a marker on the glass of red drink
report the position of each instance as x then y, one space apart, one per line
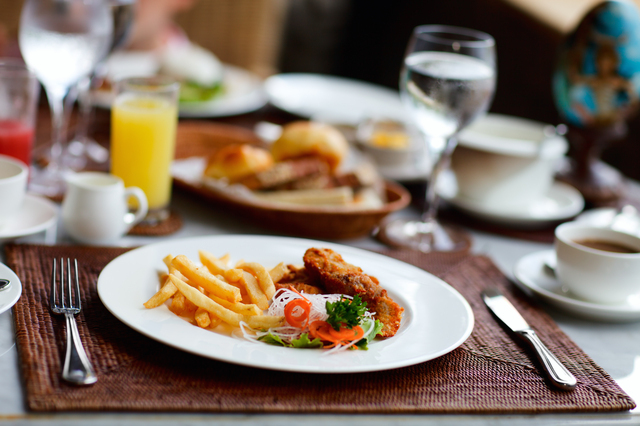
19 91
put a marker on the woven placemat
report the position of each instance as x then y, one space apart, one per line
170 225
489 373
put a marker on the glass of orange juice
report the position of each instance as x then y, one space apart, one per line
144 116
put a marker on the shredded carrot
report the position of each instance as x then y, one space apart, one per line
313 328
293 289
325 332
297 318
347 334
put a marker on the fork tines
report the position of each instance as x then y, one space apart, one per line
65 300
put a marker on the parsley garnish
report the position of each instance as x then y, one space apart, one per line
346 312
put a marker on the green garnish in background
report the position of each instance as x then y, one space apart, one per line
194 92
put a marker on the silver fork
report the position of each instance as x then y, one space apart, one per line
77 367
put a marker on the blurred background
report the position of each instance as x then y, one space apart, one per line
365 40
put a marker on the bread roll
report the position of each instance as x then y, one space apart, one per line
235 162
306 138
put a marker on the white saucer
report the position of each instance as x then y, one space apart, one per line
561 202
531 272
37 215
609 217
10 296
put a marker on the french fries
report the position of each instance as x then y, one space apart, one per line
165 293
253 290
213 294
264 279
226 315
213 264
278 272
205 279
202 318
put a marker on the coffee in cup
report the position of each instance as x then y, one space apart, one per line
607 246
597 264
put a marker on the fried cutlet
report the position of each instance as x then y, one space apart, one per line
298 278
337 276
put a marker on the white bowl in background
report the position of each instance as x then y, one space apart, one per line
403 146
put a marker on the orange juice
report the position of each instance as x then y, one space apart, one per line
143 137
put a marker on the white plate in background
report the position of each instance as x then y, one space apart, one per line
333 99
437 319
244 93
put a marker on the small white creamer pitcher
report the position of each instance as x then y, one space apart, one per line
95 209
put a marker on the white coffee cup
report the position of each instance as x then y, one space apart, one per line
95 209
506 161
597 275
13 186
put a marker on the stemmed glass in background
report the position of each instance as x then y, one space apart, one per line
447 80
61 42
82 148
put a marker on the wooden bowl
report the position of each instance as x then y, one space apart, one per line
199 139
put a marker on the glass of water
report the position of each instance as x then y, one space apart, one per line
447 80
61 42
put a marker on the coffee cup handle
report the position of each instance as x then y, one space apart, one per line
143 207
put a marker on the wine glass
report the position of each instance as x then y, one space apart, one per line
83 148
447 81
61 42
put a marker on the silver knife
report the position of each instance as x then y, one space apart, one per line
505 312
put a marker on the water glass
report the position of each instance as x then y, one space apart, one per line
447 81
61 42
19 92
144 117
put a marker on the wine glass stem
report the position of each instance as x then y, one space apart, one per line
56 104
442 161
86 109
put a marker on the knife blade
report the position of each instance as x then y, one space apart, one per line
509 316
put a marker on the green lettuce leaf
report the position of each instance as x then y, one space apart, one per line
366 324
304 342
272 339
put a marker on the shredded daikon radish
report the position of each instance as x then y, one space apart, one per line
318 312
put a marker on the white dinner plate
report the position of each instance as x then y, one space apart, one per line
561 202
531 272
333 99
9 296
437 319
244 93
37 214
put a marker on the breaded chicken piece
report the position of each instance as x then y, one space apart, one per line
338 276
298 278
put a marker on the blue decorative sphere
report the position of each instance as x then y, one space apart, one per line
597 78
